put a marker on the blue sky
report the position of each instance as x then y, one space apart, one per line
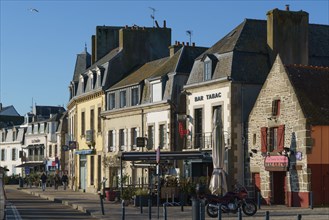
38 49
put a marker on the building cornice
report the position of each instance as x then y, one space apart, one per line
84 97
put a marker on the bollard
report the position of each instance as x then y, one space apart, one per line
101 200
239 213
195 209
140 204
182 202
259 199
149 202
123 210
311 200
164 211
219 211
299 217
202 210
267 215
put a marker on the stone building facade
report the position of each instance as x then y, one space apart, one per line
280 135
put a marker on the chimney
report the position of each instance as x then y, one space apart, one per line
287 7
287 35
164 24
193 44
174 48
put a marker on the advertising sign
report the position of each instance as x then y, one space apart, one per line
276 163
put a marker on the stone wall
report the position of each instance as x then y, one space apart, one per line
278 86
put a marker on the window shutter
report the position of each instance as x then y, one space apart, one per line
280 138
263 139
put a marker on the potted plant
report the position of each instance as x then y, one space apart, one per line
141 197
127 194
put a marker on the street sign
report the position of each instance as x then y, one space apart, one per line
140 141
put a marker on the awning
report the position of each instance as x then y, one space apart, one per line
30 164
164 155
34 146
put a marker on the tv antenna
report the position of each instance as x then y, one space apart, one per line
153 14
189 33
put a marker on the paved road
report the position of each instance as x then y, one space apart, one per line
90 204
25 206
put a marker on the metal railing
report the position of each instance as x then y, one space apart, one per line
201 141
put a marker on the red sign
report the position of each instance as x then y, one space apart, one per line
276 163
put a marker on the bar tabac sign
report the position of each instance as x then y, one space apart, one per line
276 163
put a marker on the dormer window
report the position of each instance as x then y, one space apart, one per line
134 96
156 91
207 70
123 100
111 101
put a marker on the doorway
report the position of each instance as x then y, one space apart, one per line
279 188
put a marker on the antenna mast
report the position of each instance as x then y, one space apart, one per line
189 33
153 14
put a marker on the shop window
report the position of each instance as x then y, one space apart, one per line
92 170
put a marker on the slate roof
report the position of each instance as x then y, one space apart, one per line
82 63
243 54
181 62
311 85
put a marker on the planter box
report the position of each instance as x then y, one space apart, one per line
143 199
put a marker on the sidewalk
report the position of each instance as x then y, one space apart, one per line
90 203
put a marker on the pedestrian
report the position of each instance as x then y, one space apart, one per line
65 180
43 181
57 180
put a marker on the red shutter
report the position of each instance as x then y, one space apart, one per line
264 139
280 138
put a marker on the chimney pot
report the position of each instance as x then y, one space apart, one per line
187 44
176 42
287 7
183 43
164 24
193 44
126 26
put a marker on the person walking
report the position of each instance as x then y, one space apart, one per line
57 180
64 180
43 181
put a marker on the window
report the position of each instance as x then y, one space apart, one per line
133 138
92 170
56 150
272 139
35 129
29 129
272 143
13 154
198 128
121 139
162 135
83 128
207 70
134 96
122 99
42 128
111 101
14 135
110 141
92 119
3 154
156 92
99 120
50 150
150 136
276 107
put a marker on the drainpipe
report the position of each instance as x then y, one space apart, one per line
144 146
